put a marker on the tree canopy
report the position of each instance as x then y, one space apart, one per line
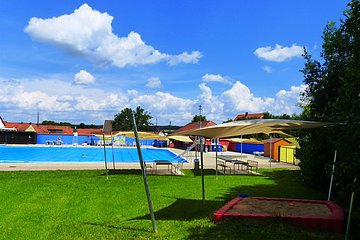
123 120
198 118
49 122
333 94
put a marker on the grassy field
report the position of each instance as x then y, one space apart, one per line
85 205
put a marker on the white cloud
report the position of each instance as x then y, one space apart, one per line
153 82
132 92
240 98
279 53
165 107
89 32
215 78
83 78
267 69
79 103
184 57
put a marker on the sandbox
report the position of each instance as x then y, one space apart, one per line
311 213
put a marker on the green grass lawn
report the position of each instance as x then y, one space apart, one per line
85 205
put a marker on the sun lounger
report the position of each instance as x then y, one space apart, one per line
162 163
256 153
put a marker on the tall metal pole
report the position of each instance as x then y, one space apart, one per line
241 148
350 211
112 148
202 161
144 175
270 151
332 177
202 168
216 157
106 169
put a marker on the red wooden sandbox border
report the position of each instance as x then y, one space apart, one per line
335 221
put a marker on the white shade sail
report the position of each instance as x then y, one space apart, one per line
251 127
180 138
142 135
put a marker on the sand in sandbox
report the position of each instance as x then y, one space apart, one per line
280 208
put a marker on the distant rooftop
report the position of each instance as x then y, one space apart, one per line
194 125
249 116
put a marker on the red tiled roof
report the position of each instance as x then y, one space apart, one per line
41 129
249 116
89 131
193 126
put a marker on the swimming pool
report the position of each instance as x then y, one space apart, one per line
35 154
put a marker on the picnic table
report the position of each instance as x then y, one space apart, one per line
249 164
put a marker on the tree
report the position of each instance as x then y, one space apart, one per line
49 122
123 120
198 118
333 95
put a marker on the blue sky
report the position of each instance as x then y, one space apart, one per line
79 61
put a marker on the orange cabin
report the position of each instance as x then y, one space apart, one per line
275 144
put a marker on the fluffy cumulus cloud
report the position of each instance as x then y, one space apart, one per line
215 78
89 32
279 53
153 82
83 78
165 107
78 103
240 98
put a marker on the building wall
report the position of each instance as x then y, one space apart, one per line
144 142
247 147
89 139
65 139
18 138
274 148
287 154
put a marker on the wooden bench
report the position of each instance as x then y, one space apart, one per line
224 166
252 164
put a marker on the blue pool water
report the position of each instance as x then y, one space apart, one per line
28 154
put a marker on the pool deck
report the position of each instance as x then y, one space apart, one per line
209 163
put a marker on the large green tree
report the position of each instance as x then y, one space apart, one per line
333 94
123 120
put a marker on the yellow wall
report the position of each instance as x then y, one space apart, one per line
287 154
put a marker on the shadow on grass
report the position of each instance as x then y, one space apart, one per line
287 184
104 225
122 172
160 172
207 172
184 210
